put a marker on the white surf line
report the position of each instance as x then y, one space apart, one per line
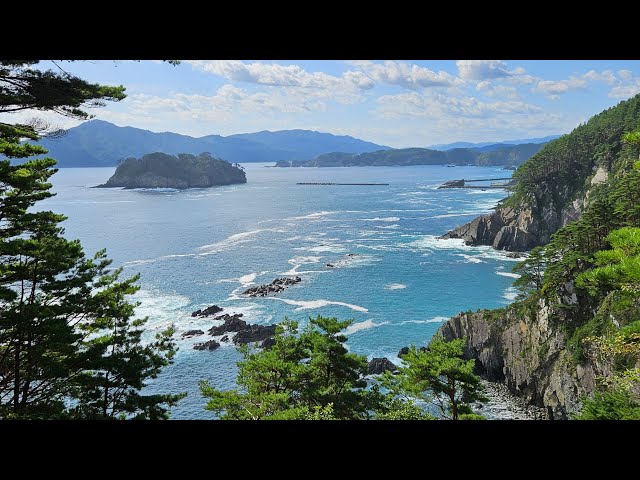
313 304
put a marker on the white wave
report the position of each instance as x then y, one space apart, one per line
381 219
327 248
313 215
162 309
359 326
433 242
389 227
231 241
395 286
469 258
508 274
312 304
249 278
510 294
448 215
430 320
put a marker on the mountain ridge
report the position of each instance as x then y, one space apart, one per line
99 143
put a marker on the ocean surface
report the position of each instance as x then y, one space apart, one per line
201 247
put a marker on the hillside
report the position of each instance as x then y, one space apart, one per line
485 146
159 170
101 144
506 155
575 330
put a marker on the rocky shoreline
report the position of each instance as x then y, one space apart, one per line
276 286
503 405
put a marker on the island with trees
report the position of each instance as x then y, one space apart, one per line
160 170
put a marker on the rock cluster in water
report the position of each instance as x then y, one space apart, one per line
212 310
380 365
277 285
244 333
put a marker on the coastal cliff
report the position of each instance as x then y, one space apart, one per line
528 355
576 320
159 170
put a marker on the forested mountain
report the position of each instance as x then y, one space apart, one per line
577 320
506 155
485 146
159 170
101 144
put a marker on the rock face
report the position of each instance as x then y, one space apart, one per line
254 333
192 333
529 355
210 345
528 226
452 184
277 285
380 365
232 323
159 170
212 310
267 343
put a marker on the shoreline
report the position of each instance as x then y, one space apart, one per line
503 405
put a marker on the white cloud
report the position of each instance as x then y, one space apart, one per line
606 76
405 75
479 70
554 88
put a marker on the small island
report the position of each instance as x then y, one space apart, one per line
160 170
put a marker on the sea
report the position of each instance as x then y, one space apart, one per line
194 248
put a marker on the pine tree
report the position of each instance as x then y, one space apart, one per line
58 308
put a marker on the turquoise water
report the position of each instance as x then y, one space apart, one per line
200 247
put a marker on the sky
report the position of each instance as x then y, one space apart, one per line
396 103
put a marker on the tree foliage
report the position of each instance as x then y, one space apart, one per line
69 345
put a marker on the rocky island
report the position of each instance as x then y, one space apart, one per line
159 170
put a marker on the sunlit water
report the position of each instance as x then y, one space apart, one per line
204 246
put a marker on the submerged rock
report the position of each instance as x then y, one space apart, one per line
212 310
192 333
210 345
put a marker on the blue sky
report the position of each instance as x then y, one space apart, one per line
396 103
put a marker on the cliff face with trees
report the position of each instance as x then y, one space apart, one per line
553 187
573 336
157 170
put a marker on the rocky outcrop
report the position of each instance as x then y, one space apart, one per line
528 355
192 333
277 285
453 184
212 310
377 366
160 170
232 323
210 345
254 333
526 227
267 343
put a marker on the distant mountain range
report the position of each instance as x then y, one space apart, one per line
489 146
102 144
505 155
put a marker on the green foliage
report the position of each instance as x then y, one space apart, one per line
439 375
616 404
531 272
398 409
305 375
67 336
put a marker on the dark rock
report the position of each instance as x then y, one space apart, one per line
225 338
212 310
277 285
192 333
267 343
254 333
403 351
330 265
513 255
210 345
379 365
452 184
232 323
